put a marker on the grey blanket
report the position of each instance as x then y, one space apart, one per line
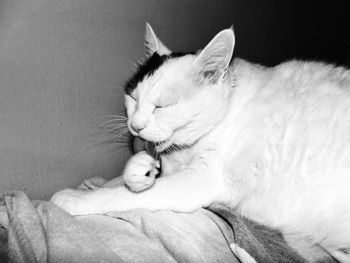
38 231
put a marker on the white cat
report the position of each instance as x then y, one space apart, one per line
271 143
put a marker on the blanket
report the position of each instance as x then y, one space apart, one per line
41 232
38 231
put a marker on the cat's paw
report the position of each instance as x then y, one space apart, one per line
75 202
140 171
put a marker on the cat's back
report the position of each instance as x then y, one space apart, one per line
308 103
293 82
310 76
306 90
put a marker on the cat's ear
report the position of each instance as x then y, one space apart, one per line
153 44
213 61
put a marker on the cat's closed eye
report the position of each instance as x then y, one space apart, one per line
164 106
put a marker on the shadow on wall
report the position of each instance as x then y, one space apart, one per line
62 65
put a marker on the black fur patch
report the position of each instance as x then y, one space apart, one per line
148 68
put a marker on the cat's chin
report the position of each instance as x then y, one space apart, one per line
160 142
159 145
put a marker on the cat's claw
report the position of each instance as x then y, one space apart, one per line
140 172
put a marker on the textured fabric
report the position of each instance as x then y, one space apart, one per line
41 232
38 231
260 242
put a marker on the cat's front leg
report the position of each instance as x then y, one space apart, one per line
187 190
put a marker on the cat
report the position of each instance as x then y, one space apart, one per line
272 143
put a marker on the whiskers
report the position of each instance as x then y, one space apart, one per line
117 126
170 149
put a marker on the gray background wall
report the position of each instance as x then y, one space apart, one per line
62 65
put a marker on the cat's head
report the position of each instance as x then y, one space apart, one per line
176 98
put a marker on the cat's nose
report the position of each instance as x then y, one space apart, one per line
136 128
139 121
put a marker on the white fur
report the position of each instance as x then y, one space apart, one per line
273 143
135 171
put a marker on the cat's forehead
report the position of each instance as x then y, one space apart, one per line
156 66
